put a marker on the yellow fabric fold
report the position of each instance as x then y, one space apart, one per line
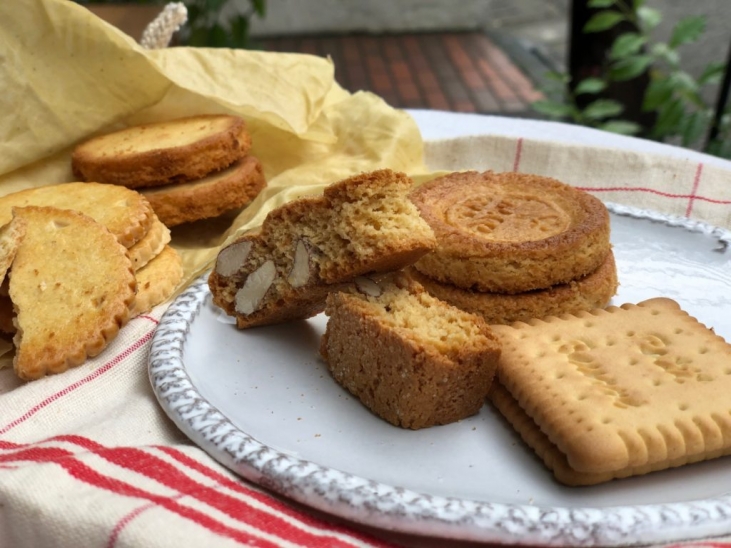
68 75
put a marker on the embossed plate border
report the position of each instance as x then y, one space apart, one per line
392 508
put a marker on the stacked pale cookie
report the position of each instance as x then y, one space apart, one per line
515 246
188 169
78 260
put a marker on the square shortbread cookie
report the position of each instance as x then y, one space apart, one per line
616 392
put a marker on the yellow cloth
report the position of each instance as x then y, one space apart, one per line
69 75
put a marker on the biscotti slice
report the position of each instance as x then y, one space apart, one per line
511 232
617 392
157 280
161 153
211 196
592 291
126 213
411 359
72 286
308 247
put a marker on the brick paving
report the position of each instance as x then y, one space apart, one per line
455 71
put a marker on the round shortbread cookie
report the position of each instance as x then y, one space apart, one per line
592 291
72 286
157 280
510 232
210 196
166 152
124 212
151 245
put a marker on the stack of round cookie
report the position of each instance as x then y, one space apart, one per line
514 246
188 169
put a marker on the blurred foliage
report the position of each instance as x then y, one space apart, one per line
674 95
211 23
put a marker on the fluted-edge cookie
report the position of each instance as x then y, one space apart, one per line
126 213
616 392
72 286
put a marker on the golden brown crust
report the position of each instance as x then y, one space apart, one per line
510 232
210 196
161 153
72 286
592 291
126 213
411 359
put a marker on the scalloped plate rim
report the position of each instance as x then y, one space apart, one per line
392 508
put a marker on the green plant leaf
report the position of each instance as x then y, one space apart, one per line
260 7
553 109
600 3
627 44
239 31
649 18
638 3
682 81
214 6
603 20
692 128
670 116
590 85
557 76
602 108
687 30
664 52
217 37
658 91
629 67
712 74
198 37
623 127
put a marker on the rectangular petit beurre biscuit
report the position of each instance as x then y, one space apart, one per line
617 392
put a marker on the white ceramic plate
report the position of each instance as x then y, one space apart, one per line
262 403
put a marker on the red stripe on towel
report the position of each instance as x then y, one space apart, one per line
88 475
653 191
518 154
159 470
78 384
693 197
261 497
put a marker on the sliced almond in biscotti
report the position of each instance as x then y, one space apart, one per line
72 286
126 213
165 152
